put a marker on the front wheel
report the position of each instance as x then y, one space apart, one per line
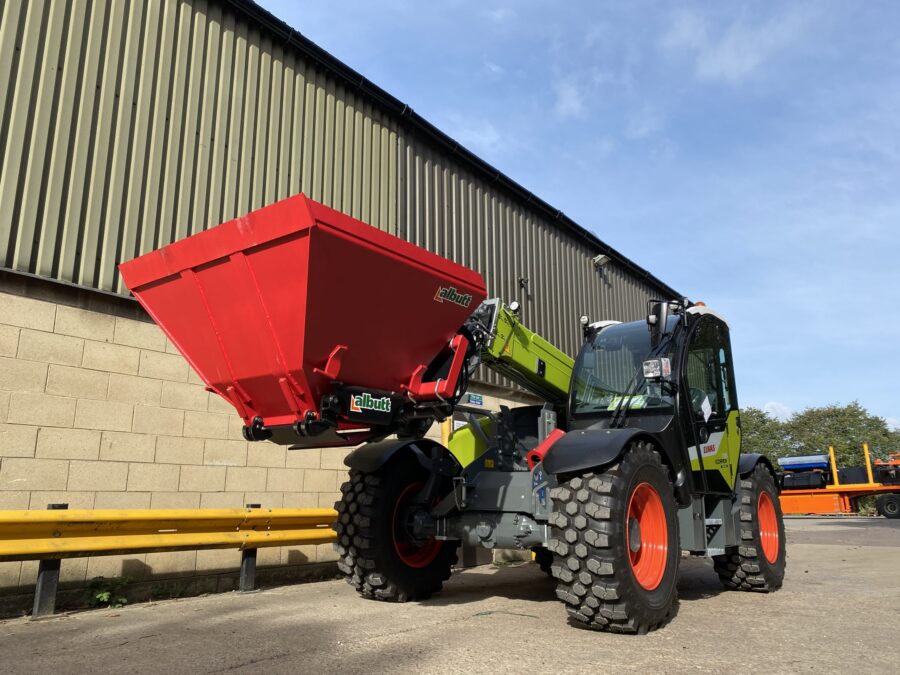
757 564
614 534
379 556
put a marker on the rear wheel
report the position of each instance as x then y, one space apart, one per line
378 554
888 505
615 536
758 563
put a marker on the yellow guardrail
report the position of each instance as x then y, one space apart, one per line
43 535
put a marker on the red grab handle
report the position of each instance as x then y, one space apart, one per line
537 455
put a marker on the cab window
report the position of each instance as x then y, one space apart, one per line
709 372
702 370
725 369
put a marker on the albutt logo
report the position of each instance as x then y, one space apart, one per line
360 402
450 294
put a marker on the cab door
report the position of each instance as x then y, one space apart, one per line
708 378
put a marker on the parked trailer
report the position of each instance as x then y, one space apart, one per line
814 485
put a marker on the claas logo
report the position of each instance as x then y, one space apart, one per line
450 294
360 402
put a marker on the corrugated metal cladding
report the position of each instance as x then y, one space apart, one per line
127 125
522 256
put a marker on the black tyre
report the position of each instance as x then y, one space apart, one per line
378 556
615 538
544 558
758 563
888 505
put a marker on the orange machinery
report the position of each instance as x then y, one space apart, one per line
841 497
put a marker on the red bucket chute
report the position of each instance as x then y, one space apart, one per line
279 308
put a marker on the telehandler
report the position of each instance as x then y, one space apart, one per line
323 331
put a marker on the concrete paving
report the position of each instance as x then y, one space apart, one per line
838 612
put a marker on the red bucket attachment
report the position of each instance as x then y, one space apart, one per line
279 308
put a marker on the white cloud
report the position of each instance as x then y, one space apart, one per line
494 68
778 410
499 14
602 148
623 79
643 122
893 423
569 100
688 31
480 136
598 35
739 50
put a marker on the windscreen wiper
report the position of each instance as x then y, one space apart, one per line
621 412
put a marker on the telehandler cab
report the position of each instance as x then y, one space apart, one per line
634 456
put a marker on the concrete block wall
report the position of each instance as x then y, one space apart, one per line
98 410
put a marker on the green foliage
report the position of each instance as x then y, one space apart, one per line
103 592
843 427
762 433
811 431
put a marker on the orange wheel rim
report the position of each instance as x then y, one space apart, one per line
411 554
647 536
768 526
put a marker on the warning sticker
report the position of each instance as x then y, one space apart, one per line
706 408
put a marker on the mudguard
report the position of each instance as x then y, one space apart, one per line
748 462
372 456
588 448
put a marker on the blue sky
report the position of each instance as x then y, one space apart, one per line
747 153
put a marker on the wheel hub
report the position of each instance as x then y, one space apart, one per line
634 535
412 550
768 527
647 534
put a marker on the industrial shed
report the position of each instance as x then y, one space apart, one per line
125 126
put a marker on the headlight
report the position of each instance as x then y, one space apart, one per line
657 369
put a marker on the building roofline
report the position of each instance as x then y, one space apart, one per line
408 116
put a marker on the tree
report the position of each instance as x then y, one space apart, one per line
762 433
845 428
810 432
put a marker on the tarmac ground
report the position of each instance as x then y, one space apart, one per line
839 611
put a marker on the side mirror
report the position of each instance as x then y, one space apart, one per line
657 320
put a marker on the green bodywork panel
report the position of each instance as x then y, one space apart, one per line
517 353
722 452
467 445
528 360
731 448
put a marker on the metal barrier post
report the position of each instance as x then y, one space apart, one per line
247 581
47 580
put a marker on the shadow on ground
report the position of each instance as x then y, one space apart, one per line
696 581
